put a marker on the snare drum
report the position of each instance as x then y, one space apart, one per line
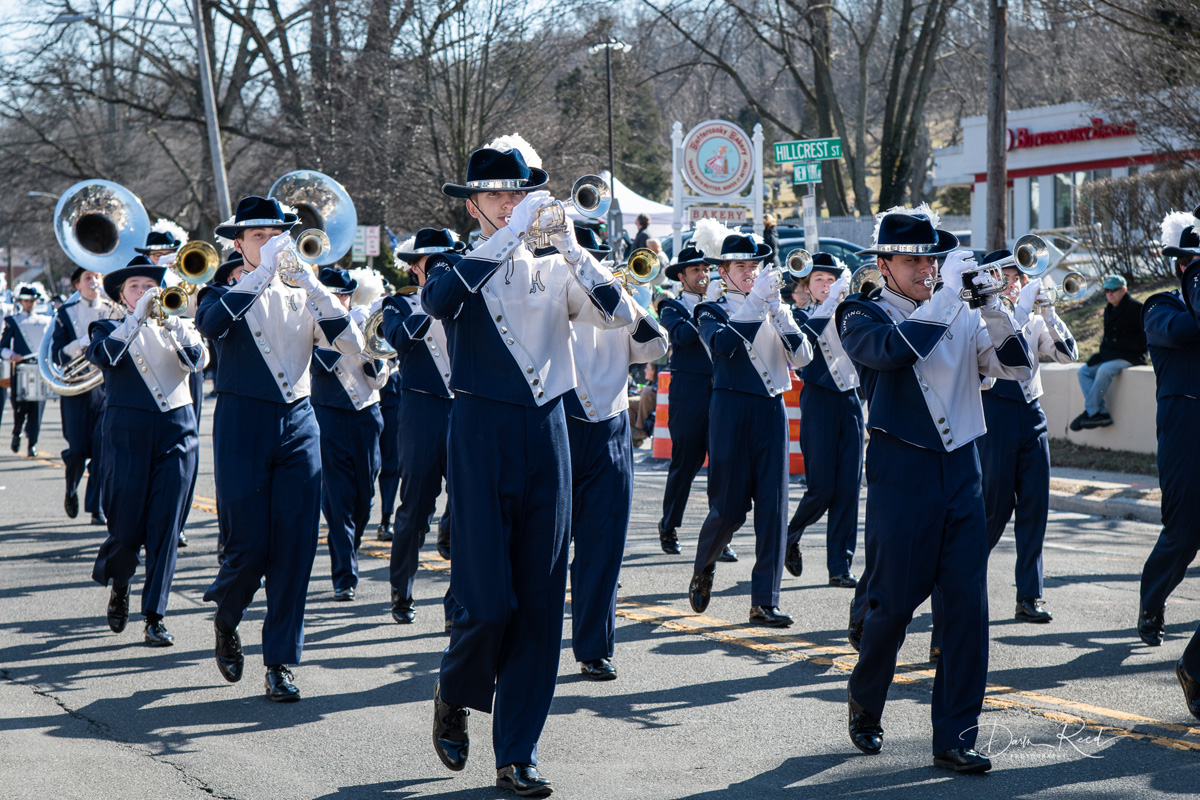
28 384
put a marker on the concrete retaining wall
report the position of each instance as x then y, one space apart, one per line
1130 400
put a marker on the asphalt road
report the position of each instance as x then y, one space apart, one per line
705 706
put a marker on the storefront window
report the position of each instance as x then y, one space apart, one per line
1064 197
1034 221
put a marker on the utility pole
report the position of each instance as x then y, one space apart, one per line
996 226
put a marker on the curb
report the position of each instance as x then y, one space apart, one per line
1115 507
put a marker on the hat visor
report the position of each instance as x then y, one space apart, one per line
537 179
409 257
1180 252
946 242
761 253
113 280
230 231
147 250
673 271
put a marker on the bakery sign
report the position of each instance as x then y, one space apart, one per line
718 158
1098 129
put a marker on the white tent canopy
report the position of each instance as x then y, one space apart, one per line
632 204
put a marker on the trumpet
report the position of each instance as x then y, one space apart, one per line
1074 287
642 267
799 264
591 197
195 264
376 346
864 275
1030 255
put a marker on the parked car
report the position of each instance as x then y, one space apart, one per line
791 238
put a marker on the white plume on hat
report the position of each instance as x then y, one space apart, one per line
405 247
35 285
709 237
370 287
164 225
1173 226
514 141
922 210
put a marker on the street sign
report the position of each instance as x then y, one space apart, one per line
810 223
359 251
807 172
371 233
808 150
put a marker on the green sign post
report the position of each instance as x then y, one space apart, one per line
807 172
808 150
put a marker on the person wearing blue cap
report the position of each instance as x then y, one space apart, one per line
507 313
20 342
831 430
602 470
423 366
151 442
266 442
82 413
919 354
753 342
1122 346
690 391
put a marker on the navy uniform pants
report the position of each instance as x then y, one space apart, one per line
150 463
1014 456
748 458
82 417
28 416
389 449
1178 444
926 529
267 459
601 498
196 384
349 465
831 438
510 469
688 401
422 463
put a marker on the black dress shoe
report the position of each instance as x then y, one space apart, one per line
99 519
71 504
279 684
770 617
1151 627
183 540
935 655
793 562
962 759
601 669
384 532
403 610
16 443
1032 610
450 738
345 594
845 581
32 452
866 730
118 608
1191 689
854 631
668 540
524 779
700 590
727 555
157 634
229 653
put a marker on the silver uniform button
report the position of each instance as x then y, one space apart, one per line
529 370
510 341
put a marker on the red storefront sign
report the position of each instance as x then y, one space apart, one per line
1099 129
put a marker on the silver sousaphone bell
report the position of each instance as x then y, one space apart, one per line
328 219
99 224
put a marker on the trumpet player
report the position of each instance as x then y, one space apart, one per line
151 443
831 434
266 443
751 339
82 414
20 341
690 393
920 354
345 400
423 364
602 470
507 314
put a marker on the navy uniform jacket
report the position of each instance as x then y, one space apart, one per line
914 357
348 382
422 355
1047 335
750 347
830 368
23 334
72 323
602 360
688 353
146 367
1173 334
499 301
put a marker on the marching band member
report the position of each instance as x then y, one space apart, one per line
831 436
602 470
423 363
5 366
266 443
345 399
82 414
151 443
1014 453
228 274
22 337
919 354
691 370
1172 324
389 455
507 315
751 340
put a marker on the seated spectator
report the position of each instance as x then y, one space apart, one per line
641 410
1123 345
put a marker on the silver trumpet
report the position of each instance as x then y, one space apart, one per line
799 264
1030 255
591 197
1074 287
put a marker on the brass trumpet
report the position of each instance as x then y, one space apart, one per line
376 346
643 267
196 263
865 274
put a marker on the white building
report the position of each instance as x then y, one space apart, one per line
1052 151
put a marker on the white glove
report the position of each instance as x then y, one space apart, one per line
836 289
378 304
167 260
1029 294
521 217
269 254
306 278
564 242
141 311
958 262
766 284
773 304
173 324
359 314
713 292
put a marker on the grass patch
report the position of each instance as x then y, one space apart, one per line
1064 453
1085 318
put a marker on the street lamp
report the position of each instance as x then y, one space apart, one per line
608 46
216 153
